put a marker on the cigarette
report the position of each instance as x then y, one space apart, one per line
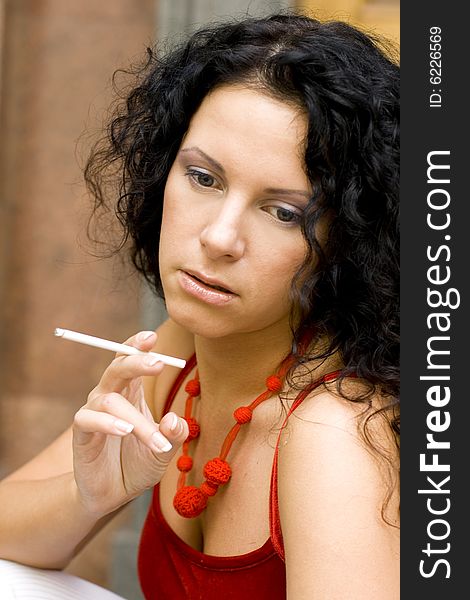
90 340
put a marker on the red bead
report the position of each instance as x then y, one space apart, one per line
185 463
189 501
217 471
194 429
193 388
273 383
209 488
243 414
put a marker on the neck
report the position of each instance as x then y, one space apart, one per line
237 366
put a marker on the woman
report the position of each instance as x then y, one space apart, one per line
258 183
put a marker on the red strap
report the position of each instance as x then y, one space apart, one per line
274 517
190 363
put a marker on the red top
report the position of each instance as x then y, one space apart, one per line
170 569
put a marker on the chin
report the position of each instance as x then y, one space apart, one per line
198 320
213 326
206 329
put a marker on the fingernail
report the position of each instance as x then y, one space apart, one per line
160 442
173 422
123 426
151 360
145 335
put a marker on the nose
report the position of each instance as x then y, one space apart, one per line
222 237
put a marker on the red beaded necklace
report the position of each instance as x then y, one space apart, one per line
189 500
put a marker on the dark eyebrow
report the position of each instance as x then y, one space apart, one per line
214 164
217 166
286 192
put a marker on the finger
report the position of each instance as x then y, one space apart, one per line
115 379
145 430
144 340
174 428
125 368
92 421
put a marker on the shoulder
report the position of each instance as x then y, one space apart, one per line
327 431
174 340
333 488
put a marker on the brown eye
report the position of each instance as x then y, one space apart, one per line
284 215
205 180
201 178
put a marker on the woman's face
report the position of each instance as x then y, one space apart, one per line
231 240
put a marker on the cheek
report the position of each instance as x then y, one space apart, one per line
290 255
181 218
279 265
169 196
172 227
168 238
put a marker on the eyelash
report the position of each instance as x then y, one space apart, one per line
296 217
195 174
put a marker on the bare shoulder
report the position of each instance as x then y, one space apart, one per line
329 430
334 491
174 340
347 419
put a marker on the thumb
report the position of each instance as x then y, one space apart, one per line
175 429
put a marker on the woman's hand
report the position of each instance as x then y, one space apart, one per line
119 450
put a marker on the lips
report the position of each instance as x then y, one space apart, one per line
206 289
210 282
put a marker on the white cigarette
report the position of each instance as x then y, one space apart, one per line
90 340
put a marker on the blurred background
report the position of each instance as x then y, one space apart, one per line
57 59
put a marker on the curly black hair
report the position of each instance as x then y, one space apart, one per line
347 84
